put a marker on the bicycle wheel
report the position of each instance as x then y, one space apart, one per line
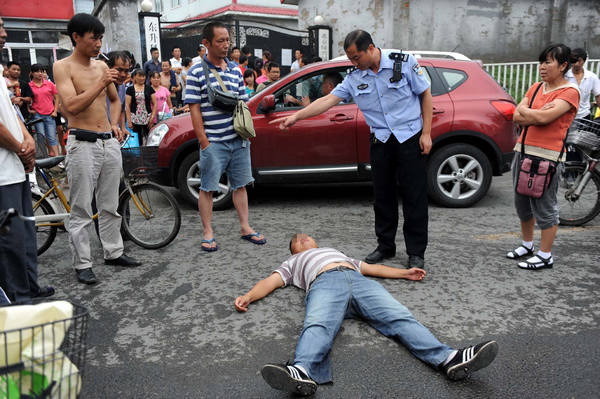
156 218
577 211
44 233
41 151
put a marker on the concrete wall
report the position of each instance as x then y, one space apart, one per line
120 18
491 30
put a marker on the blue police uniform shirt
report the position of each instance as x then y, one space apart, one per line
389 108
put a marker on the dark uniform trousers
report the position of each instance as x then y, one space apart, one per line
403 164
18 248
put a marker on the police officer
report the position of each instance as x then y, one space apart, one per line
391 90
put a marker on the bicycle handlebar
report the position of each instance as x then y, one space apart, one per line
6 215
33 122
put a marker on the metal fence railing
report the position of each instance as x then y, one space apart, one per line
517 77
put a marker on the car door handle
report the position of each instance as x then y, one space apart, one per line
340 118
438 111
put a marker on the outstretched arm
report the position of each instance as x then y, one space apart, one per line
316 108
260 290
413 273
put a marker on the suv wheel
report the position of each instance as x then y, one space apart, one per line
188 180
458 175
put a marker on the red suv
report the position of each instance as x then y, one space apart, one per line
473 136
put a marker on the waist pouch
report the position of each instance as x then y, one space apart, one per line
89 135
224 100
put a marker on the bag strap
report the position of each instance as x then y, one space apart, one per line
215 74
527 127
214 71
205 70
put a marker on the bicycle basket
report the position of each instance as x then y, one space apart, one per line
139 161
42 350
584 134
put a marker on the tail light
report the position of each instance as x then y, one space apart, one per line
506 108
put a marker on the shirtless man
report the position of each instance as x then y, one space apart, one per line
93 151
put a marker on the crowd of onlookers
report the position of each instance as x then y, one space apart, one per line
151 92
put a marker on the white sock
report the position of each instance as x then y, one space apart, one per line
545 255
527 244
450 357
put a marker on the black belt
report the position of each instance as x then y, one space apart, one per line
90 135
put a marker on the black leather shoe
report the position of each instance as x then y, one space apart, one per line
86 276
123 260
416 261
44 292
378 255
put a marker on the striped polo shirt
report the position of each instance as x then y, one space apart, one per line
302 268
218 124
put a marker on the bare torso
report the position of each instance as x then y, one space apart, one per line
84 77
165 80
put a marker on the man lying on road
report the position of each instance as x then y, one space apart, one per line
337 289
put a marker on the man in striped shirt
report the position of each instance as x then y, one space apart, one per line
221 149
337 289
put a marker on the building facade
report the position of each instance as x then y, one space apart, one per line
35 31
490 30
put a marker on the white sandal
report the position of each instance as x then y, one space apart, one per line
537 263
515 255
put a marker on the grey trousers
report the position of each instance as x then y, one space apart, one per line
94 166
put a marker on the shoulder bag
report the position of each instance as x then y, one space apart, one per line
535 173
242 118
222 99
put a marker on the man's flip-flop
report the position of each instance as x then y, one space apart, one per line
209 248
248 237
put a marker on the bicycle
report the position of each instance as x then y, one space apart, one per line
579 190
151 216
41 150
42 345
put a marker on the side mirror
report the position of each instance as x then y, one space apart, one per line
267 103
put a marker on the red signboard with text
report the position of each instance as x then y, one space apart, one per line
37 9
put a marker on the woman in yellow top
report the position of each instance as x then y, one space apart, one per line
547 120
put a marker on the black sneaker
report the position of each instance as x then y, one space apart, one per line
289 379
470 359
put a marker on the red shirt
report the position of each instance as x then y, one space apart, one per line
43 97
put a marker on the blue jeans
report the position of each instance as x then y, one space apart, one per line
47 127
231 157
343 293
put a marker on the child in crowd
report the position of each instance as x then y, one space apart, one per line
250 81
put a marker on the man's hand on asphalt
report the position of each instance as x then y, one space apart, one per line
416 274
241 304
425 144
284 122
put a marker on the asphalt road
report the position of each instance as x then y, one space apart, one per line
168 329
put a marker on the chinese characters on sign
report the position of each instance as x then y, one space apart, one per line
324 44
152 33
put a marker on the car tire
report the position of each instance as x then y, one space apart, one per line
188 181
458 175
